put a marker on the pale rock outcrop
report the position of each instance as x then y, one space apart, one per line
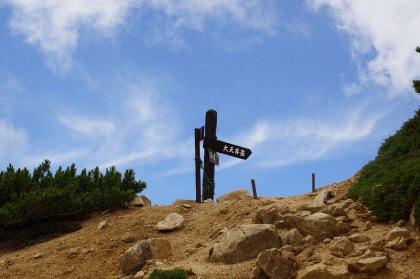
322 197
369 265
136 256
320 270
277 264
172 222
244 242
270 214
240 194
341 246
141 201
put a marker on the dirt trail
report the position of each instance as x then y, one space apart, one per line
96 251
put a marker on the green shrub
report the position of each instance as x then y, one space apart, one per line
176 273
42 195
390 185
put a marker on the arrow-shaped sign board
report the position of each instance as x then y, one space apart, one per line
227 148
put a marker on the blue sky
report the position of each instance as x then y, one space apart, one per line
309 86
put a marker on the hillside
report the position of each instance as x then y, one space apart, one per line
93 253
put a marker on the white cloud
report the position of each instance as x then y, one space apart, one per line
54 26
385 30
87 126
277 143
13 141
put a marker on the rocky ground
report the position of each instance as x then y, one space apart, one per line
234 238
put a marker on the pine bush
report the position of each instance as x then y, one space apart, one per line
390 185
42 195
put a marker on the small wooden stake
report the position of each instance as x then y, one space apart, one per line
254 190
197 167
313 182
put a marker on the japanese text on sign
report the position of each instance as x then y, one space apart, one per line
233 150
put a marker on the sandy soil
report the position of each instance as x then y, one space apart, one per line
97 251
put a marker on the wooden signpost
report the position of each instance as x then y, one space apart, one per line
211 157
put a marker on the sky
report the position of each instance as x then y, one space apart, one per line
309 86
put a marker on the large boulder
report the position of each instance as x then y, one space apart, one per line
141 201
241 194
136 256
278 264
244 242
321 270
172 222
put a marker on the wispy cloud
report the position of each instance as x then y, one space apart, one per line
381 39
55 26
13 141
87 126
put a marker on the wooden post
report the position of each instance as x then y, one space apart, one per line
254 190
208 176
313 182
197 166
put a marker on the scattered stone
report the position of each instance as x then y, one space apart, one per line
139 274
73 251
172 222
305 255
326 240
255 273
244 242
366 226
359 238
241 194
357 206
377 245
127 238
137 256
369 265
351 214
208 201
275 263
183 201
141 201
322 197
334 210
184 205
341 246
396 232
270 214
398 244
294 237
319 225
37 256
309 239
401 223
321 270
102 225
368 254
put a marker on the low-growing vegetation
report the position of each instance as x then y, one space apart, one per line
390 185
41 197
176 273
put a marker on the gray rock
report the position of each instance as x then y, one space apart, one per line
322 197
320 270
241 194
275 263
137 256
172 222
141 201
369 265
244 242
